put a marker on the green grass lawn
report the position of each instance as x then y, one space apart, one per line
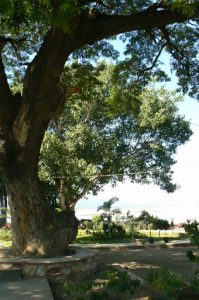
84 238
89 239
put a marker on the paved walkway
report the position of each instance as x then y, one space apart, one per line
28 289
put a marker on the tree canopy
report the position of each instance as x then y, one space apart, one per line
94 141
146 28
152 221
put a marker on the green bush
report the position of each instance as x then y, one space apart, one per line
117 231
172 285
192 228
167 282
115 284
5 234
99 235
120 282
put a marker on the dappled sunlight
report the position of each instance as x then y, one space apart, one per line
134 266
141 261
26 289
5 252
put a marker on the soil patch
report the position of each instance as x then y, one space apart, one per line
99 289
140 261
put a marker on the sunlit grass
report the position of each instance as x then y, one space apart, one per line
163 233
84 238
5 244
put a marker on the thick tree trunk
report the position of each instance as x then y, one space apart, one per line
36 229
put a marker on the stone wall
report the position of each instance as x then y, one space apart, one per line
78 265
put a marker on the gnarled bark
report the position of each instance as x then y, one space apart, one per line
36 229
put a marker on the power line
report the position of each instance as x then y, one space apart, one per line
107 175
189 166
127 174
194 124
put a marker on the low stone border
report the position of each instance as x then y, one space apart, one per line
80 264
130 274
134 245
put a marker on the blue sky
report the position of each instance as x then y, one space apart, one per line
181 205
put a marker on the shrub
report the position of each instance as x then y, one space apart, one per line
166 281
98 235
5 234
193 231
117 231
120 282
114 286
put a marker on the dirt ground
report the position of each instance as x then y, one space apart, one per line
5 252
140 261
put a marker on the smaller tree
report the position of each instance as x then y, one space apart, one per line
160 224
97 222
88 225
109 212
192 228
131 224
107 133
152 222
145 219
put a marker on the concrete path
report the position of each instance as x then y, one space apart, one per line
28 289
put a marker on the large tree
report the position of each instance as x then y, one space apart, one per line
92 143
36 39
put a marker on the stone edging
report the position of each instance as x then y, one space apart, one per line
82 263
133 245
130 274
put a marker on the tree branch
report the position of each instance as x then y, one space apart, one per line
172 46
9 103
140 145
87 188
44 72
155 60
83 193
104 26
15 43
